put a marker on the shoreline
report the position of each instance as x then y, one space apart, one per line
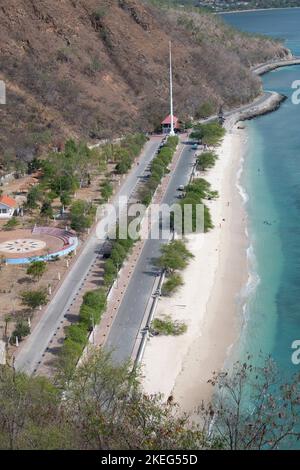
204 348
190 359
255 9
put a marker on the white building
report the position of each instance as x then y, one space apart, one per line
7 207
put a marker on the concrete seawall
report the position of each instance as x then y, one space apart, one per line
271 104
261 105
268 67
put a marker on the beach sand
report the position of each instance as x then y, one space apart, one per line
209 302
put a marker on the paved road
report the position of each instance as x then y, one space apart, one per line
244 108
127 323
126 327
32 350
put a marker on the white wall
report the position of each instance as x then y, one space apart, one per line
9 212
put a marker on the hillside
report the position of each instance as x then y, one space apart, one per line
98 68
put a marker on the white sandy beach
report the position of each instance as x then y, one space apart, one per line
210 298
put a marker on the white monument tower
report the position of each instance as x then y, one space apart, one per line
171 92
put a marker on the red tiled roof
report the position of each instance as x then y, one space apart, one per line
8 201
167 120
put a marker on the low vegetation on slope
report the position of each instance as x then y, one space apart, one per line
99 68
104 407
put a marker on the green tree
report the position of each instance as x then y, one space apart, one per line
123 416
205 110
206 160
36 269
34 298
210 134
46 209
110 272
33 197
81 215
106 190
174 256
30 417
195 192
101 405
21 330
118 254
65 199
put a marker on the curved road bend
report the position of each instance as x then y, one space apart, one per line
127 324
32 350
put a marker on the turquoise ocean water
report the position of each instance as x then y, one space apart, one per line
271 178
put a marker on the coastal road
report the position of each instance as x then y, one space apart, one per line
127 324
31 351
128 321
257 103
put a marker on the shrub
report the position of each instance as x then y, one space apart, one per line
36 269
95 299
166 326
11 224
92 307
146 198
159 167
22 329
77 333
34 298
172 284
69 354
118 254
106 190
86 315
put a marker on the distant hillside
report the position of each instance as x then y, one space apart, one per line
98 68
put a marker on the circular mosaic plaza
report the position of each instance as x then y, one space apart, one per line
22 245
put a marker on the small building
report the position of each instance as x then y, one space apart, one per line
7 207
166 124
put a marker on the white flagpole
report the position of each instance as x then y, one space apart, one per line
171 92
